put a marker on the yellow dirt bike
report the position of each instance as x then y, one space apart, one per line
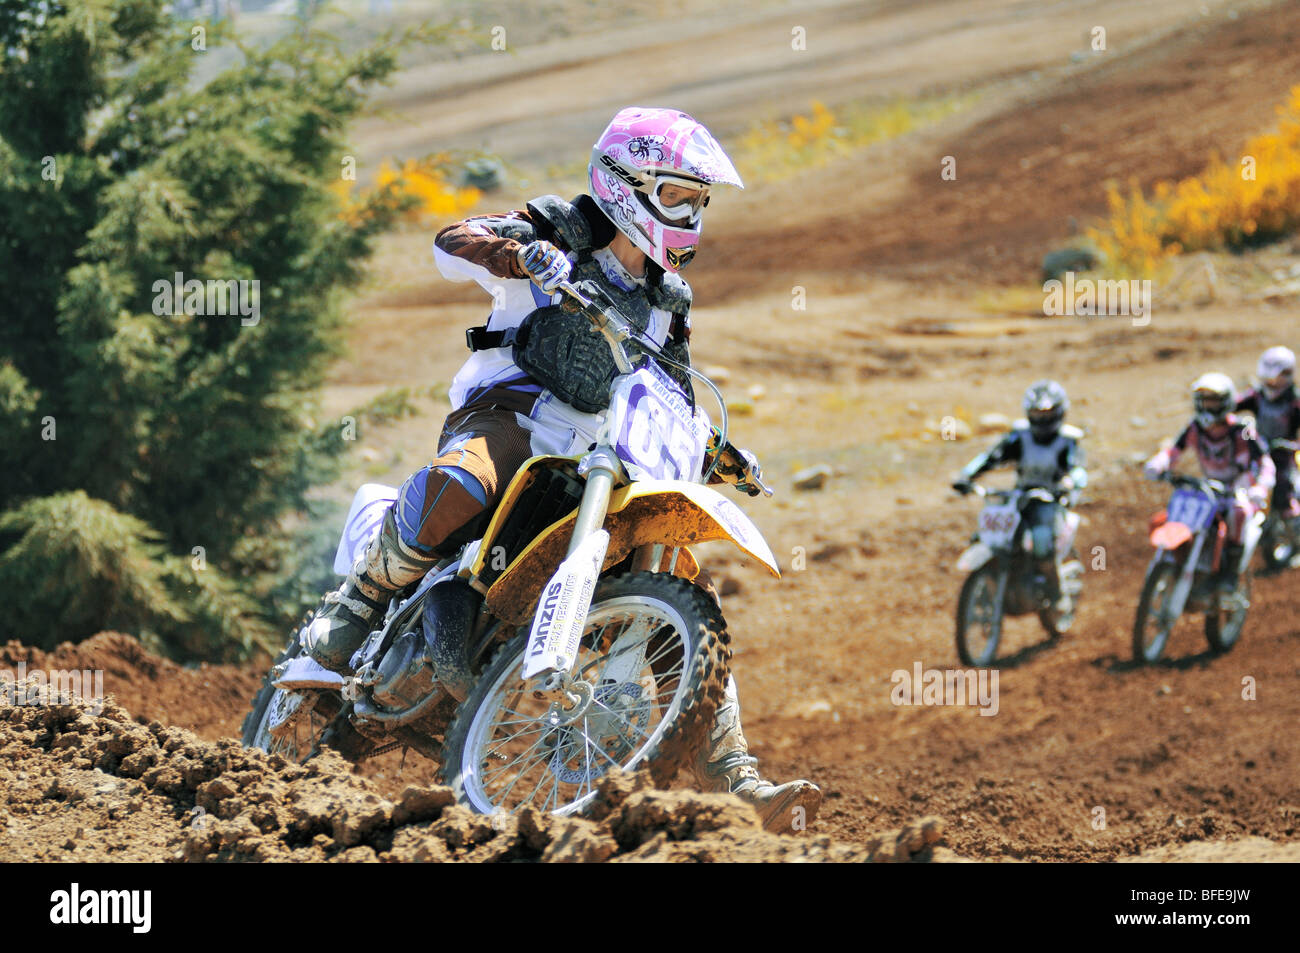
566 641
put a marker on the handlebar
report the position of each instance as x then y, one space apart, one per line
1204 484
1031 493
1280 444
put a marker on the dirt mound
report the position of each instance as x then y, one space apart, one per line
99 787
210 700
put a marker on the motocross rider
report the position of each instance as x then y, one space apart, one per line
650 175
1229 451
1047 455
1276 409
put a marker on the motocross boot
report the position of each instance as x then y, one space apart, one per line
1230 569
729 768
348 614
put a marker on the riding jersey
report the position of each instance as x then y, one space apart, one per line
1037 464
484 249
1274 419
1237 454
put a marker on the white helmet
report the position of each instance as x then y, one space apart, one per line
642 152
1213 397
1045 404
1276 371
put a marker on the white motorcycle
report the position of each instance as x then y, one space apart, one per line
1004 577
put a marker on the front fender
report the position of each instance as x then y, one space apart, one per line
667 512
976 555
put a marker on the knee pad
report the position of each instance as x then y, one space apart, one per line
434 502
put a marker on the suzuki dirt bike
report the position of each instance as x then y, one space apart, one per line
1279 540
1004 577
569 639
1189 536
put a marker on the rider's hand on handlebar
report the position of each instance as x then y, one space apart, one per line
545 264
963 486
739 467
1155 468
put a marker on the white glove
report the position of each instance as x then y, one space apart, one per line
1155 467
1258 496
545 264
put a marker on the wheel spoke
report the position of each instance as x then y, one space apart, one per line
520 757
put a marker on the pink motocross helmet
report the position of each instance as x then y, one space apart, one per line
639 153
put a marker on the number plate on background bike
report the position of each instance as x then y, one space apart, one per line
1192 508
653 430
998 522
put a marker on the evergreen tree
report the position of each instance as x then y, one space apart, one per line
119 171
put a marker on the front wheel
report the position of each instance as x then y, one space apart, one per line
980 615
651 671
1152 626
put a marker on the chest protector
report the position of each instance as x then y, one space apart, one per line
1040 464
1273 418
561 350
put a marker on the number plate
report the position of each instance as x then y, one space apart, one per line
1193 509
998 522
653 429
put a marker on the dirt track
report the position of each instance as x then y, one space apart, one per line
901 330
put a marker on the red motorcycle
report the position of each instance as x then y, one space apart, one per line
1189 537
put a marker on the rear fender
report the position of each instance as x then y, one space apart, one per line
665 512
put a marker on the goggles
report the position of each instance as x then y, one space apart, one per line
688 198
1215 404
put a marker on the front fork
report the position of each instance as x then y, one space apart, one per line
575 579
1183 588
601 467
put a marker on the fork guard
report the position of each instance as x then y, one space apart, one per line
649 512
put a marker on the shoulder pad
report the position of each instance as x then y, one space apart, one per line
566 219
1071 431
672 294
1020 423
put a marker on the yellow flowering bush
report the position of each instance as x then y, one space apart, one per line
420 186
773 149
1227 206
